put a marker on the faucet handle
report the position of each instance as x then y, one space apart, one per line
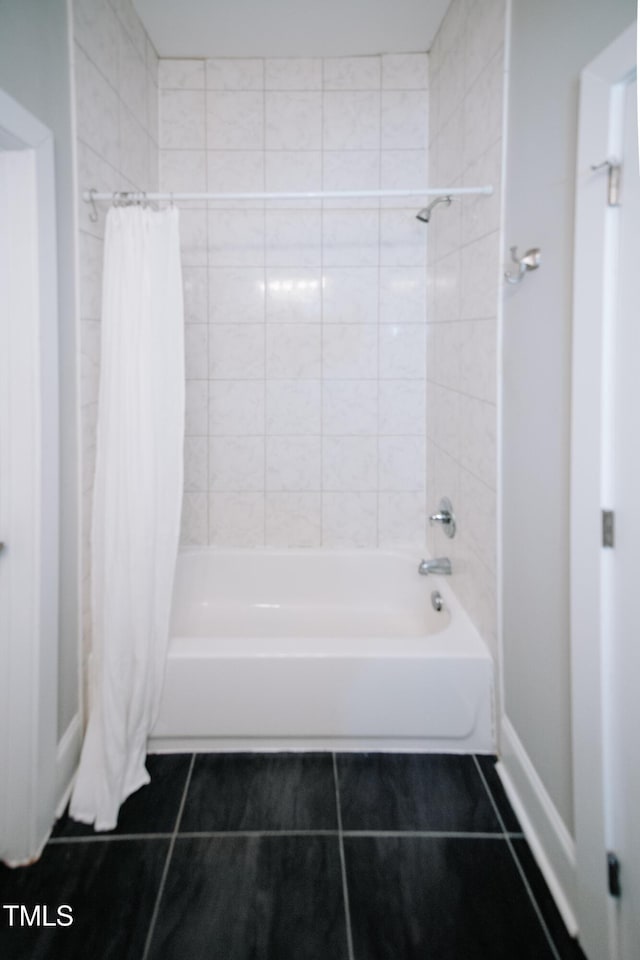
445 516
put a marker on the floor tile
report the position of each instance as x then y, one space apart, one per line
567 946
382 791
151 809
277 791
437 897
111 887
488 767
252 898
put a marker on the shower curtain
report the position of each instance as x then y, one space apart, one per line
137 503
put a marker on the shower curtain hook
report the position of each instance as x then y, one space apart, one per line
93 213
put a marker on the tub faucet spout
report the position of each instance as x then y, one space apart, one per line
440 565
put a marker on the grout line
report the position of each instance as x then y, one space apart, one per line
427 834
507 837
205 834
165 872
343 867
103 838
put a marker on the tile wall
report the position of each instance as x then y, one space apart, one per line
466 73
305 323
116 104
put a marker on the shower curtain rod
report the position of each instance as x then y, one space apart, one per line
89 196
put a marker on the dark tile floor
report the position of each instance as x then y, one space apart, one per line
295 857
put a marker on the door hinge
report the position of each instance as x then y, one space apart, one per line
613 871
607 528
613 179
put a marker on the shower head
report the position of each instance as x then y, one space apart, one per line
425 213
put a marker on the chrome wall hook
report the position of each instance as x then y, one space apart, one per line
93 213
530 261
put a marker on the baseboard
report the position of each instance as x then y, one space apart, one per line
551 843
67 762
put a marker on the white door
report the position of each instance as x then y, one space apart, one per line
605 579
29 494
623 606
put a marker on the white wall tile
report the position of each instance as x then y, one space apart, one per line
484 35
235 74
91 256
193 530
236 463
293 171
236 295
349 519
293 519
182 119
293 120
236 408
402 351
236 238
350 408
349 463
196 403
235 171
401 518
236 519
293 238
401 463
351 170
195 289
350 352
483 109
405 71
196 464
402 295
236 351
235 120
405 120
302 73
97 30
196 338
350 295
293 463
134 160
404 170
402 407
293 407
293 295
193 237
97 110
352 121
350 238
181 74
132 77
403 240
293 351
352 73
479 276
183 171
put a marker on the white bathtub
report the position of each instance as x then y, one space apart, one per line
320 649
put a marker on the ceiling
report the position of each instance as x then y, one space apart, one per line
290 28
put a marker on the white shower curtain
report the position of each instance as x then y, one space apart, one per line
137 503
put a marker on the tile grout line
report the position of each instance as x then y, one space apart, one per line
222 834
343 867
165 872
519 868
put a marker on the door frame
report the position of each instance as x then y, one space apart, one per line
30 484
599 138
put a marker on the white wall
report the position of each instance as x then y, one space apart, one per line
465 149
550 43
35 70
116 102
305 326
